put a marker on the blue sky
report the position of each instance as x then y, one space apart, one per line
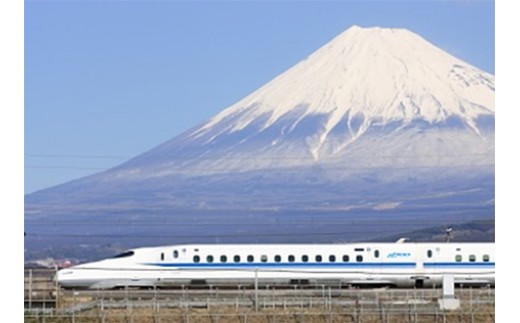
106 81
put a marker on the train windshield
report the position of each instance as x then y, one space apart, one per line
124 254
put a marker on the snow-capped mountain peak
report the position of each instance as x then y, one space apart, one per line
378 92
370 74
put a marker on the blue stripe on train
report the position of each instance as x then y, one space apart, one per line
374 265
459 264
285 265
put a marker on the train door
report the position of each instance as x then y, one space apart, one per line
420 257
419 266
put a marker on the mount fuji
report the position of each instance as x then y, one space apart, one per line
375 133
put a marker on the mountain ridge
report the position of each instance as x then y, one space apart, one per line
346 61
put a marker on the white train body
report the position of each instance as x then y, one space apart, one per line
376 264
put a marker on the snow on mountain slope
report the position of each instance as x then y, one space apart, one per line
369 90
391 74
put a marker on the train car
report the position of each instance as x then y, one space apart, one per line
401 264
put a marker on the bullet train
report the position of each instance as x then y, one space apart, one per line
400 264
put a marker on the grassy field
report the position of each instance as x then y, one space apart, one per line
229 314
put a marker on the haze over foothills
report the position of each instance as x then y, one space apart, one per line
105 82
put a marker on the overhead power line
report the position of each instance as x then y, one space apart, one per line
75 156
65 167
184 169
228 222
224 235
232 156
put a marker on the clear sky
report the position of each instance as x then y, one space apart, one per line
108 80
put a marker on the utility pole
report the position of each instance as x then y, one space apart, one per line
448 234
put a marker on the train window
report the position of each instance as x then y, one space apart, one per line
223 258
124 254
277 258
162 255
429 253
472 258
196 259
175 254
376 253
359 258
346 258
305 258
318 258
332 258
458 258
485 258
209 259
359 249
263 258
250 258
291 258
236 258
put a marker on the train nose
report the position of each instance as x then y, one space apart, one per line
64 277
